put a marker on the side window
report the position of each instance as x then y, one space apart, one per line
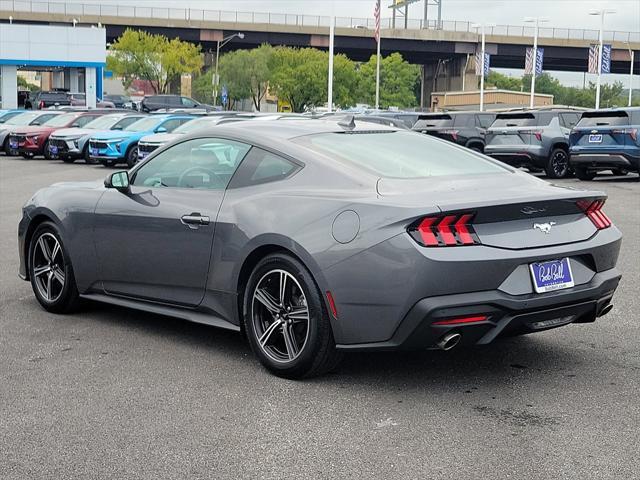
262 166
171 124
187 102
464 121
42 118
202 163
485 121
82 121
125 122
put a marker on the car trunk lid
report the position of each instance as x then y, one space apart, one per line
512 129
510 210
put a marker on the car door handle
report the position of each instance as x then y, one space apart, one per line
194 220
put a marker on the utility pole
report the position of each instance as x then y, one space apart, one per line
631 59
332 28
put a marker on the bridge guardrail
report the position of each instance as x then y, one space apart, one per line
191 14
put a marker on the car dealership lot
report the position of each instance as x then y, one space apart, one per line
114 393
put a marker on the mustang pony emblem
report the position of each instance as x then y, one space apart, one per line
544 227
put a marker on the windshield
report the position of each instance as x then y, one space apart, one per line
515 120
597 119
399 154
194 125
61 120
144 125
434 121
23 118
103 123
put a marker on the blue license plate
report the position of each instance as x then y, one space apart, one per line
595 138
53 149
13 144
94 152
552 275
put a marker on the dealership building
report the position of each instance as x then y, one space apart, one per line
74 56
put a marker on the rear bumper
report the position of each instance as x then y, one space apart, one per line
605 161
506 314
519 156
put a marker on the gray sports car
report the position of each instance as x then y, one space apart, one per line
319 237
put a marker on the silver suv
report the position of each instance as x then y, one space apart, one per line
534 139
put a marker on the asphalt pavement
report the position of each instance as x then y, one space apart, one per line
111 393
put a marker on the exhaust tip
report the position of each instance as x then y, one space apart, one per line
449 341
606 309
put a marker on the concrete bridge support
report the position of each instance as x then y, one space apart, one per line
450 74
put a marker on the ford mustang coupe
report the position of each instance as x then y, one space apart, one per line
319 237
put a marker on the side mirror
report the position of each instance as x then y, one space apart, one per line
118 180
161 130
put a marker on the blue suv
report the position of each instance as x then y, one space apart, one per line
606 140
113 147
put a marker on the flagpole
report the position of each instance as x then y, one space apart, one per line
535 65
330 86
482 72
600 41
378 41
378 77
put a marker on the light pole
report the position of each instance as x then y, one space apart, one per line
600 13
482 60
537 21
631 58
216 79
332 29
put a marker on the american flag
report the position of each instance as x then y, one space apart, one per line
594 50
376 16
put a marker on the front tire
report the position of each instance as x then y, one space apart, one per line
286 320
620 172
584 174
558 166
132 156
50 270
87 156
46 152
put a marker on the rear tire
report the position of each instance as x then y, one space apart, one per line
621 172
558 166
584 174
87 156
46 152
50 270
290 333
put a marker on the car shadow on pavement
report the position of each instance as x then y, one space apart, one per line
530 356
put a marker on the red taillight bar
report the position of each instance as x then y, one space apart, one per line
536 133
461 320
632 132
445 231
453 133
593 210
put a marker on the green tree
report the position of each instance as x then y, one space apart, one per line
22 83
398 79
503 82
155 58
202 87
233 75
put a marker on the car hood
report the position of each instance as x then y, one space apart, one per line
160 138
110 134
72 132
32 129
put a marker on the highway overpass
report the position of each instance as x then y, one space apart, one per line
444 52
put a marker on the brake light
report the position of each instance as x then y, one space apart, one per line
453 133
462 320
41 104
593 210
536 133
632 132
445 231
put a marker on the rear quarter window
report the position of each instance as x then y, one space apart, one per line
399 154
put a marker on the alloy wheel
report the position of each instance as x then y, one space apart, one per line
280 316
48 267
560 164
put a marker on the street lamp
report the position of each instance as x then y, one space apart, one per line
537 21
482 65
600 13
631 58
216 79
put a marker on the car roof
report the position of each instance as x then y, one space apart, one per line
294 128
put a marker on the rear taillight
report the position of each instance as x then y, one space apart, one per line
632 132
41 104
445 231
536 133
461 320
593 210
453 133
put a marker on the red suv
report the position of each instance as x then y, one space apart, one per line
30 141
